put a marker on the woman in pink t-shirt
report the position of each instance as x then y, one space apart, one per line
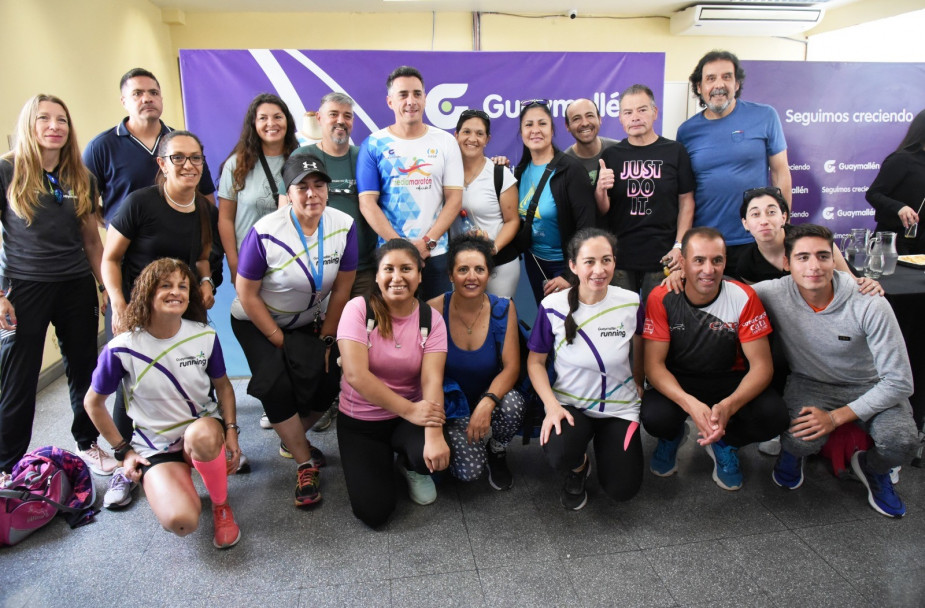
392 388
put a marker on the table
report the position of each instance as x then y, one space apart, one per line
905 291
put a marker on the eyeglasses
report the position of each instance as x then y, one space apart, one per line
534 102
756 192
470 113
180 159
55 187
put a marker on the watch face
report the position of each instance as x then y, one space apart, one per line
431 245
328 340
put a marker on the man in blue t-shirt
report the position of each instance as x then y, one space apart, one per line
734 145
410 179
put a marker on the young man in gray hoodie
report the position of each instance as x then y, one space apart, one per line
849 365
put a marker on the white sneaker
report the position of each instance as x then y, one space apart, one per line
265 422
99 460
770 448
120 489
421 488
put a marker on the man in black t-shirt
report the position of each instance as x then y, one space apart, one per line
645 191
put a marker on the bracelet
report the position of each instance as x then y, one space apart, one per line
272 333
677 245
232 425
832 418
493 397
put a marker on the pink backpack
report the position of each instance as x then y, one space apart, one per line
43 482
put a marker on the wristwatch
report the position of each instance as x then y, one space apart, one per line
328 341
429 243
234 426
209 281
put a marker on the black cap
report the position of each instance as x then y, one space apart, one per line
300 165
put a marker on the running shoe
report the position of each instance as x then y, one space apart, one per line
574 496
880 493
99 460
120 490
788 471
421 488
327 418
308 485
726 472
317 456
265 422
664 461
227 532
499 475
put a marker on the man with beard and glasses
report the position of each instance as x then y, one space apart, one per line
734 145
335 116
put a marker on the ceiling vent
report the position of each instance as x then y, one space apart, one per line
744 20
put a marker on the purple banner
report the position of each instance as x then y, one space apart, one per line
840 120
218 85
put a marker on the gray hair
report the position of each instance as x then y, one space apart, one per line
338 98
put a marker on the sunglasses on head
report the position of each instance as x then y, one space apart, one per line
765 191
474 114
534 102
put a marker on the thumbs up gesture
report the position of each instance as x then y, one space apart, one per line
604 177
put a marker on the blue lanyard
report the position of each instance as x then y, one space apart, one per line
317 271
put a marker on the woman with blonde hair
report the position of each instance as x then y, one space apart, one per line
50 256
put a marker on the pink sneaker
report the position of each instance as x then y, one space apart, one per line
227 532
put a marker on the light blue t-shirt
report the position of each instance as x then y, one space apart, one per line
729 155
547 240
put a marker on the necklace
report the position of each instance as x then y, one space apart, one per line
467 181
395 339
183 206
474 321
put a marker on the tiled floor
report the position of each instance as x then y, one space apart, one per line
681 542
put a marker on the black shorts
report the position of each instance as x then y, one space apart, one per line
161 458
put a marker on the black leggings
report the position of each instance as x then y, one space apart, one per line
367 450
617 451
72 306
762 418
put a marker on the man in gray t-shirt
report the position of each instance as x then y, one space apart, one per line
583 121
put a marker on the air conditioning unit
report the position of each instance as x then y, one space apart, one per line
744 20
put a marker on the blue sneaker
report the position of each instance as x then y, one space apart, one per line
726 472
664 461
788 471
880 493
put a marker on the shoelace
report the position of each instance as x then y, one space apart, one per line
119 482
307 476
664 449
223 513
727 458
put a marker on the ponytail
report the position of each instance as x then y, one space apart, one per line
571 327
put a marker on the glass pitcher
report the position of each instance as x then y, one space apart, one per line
855 246
881 255
888 249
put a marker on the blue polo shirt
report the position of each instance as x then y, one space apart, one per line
122 164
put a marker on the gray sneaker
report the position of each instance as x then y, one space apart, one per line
120 489
327 418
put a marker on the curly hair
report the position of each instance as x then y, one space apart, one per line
249 144
696 76
26 157
138 311
470 242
